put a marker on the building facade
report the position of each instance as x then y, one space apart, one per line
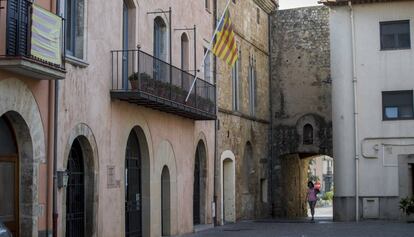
142 156
26 120
243 115
372 68
300 103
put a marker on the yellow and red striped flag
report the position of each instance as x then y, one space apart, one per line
225 47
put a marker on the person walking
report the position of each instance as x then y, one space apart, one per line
312 198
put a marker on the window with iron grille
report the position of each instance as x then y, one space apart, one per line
74 27
395 35
397 105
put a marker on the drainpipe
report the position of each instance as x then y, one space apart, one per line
269 20
55 211
215 220
50 145
355 92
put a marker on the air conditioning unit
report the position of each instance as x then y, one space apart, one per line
370 208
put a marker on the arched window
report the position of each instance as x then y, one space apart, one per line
160 39
307 134
184 52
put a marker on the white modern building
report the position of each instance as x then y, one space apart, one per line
372 63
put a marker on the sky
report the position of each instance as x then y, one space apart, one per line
285 4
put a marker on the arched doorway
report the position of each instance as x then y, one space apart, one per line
200 183
228 197
165 202
133 193
80 190
75 192
9 177
249 182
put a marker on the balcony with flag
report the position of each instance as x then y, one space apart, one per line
31 41
144 80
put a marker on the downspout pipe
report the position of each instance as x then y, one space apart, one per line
215 220
355 93
269 26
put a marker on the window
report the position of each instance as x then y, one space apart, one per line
252 85
207 66
258 15
236 84
397 105
233 1
395 35
74 27
185 52
207 5
307 134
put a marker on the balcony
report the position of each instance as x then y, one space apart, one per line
144 80
19 45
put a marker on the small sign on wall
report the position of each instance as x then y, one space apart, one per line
111 175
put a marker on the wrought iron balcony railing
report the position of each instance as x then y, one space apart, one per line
140 78
16 54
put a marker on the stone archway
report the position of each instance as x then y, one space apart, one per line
19 106
228 187
200 184
165 161
83 135
165 202
139 139
250 183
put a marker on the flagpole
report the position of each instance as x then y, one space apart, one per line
207 51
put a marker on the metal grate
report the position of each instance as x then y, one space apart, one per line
133 200
75 193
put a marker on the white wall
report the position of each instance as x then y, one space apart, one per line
376 71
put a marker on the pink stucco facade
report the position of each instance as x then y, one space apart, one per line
87 110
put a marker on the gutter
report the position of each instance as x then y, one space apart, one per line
355 93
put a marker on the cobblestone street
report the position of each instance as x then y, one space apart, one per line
320 228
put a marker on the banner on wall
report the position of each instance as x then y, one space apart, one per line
46 35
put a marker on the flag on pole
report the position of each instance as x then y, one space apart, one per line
225 47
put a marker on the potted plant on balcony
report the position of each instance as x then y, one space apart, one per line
136 79
133 79
407 206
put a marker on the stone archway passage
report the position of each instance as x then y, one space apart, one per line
133 193
165 202
75 192
229 191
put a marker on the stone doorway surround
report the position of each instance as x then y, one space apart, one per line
228 165
18 104
91 165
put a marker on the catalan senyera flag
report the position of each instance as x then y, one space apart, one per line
225 47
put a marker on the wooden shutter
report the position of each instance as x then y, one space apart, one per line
17 27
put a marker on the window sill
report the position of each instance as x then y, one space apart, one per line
395 49
396 119
76 61
208 11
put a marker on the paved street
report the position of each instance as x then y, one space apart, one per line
320 228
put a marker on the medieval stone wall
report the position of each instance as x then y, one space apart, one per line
245 134
300 91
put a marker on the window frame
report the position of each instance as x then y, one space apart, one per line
207 5
70 51
384 117
382 23
236 86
